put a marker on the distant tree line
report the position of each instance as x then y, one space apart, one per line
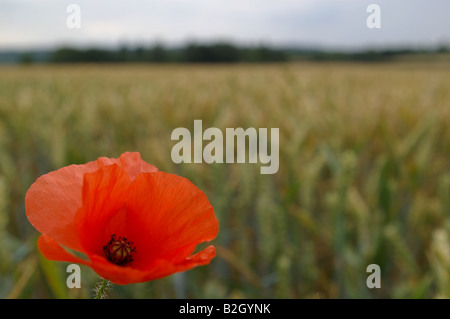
219 52
191 53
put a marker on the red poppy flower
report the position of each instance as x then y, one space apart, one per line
132 222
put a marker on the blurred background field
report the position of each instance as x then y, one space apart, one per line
364 175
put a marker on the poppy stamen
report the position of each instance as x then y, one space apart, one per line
119 250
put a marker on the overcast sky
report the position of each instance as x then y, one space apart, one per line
325 23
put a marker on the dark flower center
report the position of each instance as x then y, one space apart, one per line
119 250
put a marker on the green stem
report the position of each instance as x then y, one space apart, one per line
101 289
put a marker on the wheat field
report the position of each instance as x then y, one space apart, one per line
364 172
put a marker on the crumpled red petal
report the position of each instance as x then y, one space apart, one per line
53 199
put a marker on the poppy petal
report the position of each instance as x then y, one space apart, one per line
53 199
51 250
159 269
104 194
131 162
201 258
167 214
120 275
163 268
